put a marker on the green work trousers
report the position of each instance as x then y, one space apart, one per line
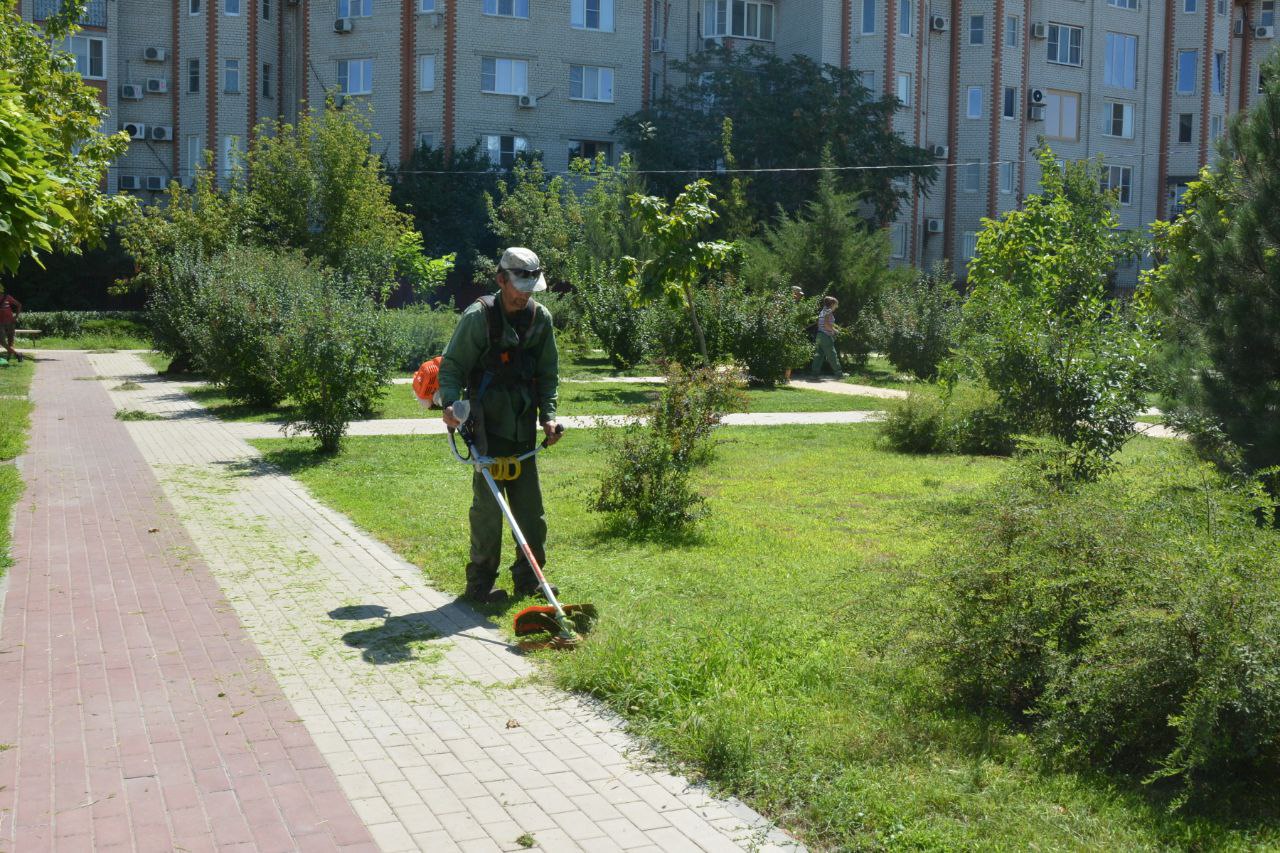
524 496
826 352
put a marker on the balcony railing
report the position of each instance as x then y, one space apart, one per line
95 12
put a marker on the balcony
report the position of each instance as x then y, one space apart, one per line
95 12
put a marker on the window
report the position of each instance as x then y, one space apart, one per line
1006 178
1215 127
1010 102
1219 72
1222 7
425 6
1012 30
1123 4
868 17
588 149
1190 6
427 72
1267 18
977 27
658 28
1120 65
426 139
592 15
193 8
231 76
507 8
1118 119
869 80
266 10
231 156
89 54
231 7
194 160
589 83
974 102
266 80
1185 125
971 177
904 17
968 245
1065 43
193 75
738 18
1062 115
503 149
1188 62
1262 81
1174 196
1120 179
504 76
898 240
904 89
355 8
355 76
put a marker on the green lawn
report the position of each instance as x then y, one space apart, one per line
881 374
768 651
15 380
97 334
576 398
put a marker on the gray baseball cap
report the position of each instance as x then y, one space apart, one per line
525 269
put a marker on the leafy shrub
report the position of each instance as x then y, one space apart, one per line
70 324
340 351
421 332
668 332
1132 625
767 338
918 320
647 477
610 311
961 419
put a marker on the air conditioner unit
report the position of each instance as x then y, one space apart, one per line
1035 112
155 183
157 85
161 133
129 182
1238 29
1039 30
938 23
939 152
1035 96
658 44
1264 32
527 102
135 130
343 25
933 226
131 92
154 54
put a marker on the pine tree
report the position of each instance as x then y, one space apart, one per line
1219 288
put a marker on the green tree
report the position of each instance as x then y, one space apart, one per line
785 112
53 157
678 261
1038 328
1218 289
827 247
539 213
317 186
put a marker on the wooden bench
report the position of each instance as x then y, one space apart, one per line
30 333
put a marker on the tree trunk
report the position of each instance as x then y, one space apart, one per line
697 327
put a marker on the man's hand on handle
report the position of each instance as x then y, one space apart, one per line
450 420
554 431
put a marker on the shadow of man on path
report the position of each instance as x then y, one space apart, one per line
399 638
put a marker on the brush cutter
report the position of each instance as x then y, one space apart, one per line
563 622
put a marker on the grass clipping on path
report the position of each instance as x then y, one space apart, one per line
768 651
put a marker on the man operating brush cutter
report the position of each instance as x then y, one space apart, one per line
503 355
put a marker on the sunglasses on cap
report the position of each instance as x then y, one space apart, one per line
534 273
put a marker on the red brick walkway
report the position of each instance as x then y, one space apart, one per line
134 711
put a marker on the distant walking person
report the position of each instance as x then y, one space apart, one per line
10 308
826 340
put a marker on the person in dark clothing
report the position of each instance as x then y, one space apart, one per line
10 308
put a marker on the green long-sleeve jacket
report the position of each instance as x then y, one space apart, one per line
508 414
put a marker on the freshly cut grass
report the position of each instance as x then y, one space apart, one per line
768 651
15 378
15 420
10 490
576 398
137 415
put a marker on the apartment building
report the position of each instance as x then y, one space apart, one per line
1147 85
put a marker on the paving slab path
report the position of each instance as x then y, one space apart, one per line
432 732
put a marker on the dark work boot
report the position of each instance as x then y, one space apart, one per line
481 595
526 587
